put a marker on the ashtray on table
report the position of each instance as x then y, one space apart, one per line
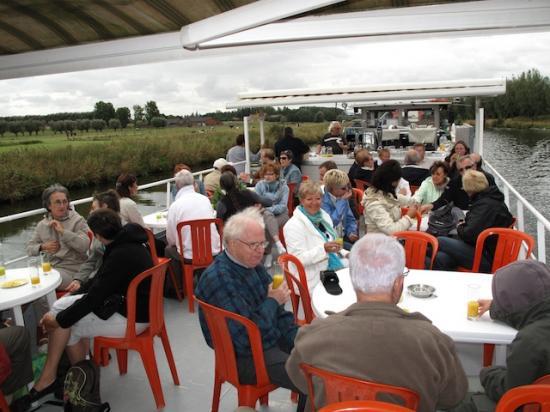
421 291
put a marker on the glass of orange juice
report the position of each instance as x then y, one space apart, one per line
46 264
472 296
34 273
277 280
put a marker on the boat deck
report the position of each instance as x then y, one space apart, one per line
195 365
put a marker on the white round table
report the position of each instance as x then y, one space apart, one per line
156 220
14 298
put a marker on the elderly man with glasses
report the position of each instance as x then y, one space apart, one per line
236 281
376 340
454 191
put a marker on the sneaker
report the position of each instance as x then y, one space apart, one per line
268 261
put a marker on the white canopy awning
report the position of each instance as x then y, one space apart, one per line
371 93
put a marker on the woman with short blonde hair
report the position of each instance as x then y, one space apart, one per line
474 182
335 202
310 235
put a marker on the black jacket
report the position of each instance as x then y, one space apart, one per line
295 145
125 258
414 175
455 193
357 172
487 210
528 355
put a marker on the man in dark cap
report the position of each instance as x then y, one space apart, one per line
521 299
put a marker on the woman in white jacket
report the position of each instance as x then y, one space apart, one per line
310 236
383 206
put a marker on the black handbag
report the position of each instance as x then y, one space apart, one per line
110 306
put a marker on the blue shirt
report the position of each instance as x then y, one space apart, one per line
339 212
230 286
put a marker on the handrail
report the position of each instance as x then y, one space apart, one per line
42 210
542 223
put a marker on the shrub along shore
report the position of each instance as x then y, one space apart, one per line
25 170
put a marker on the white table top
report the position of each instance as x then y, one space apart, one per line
18 296
447 311
156 220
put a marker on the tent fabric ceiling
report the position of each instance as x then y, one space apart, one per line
32 25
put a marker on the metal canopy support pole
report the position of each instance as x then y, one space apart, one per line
262 137
246 145
437 121
476 144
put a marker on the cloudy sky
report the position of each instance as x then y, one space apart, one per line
208 84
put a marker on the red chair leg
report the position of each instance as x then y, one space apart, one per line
122 360
188 278
179 294
147 353
216 394
294 397
488 350
169 356
264 400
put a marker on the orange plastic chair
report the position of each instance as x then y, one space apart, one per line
340 388
361 184
358 195
226 364
543 380
404 211
416 248
509 244
142 343
364 406
201 242
290 202
157 260
302 294
4 407
529 395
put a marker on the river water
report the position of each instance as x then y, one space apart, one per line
521 156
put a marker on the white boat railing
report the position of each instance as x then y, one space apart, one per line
40 211
543 225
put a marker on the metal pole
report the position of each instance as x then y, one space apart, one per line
476 141
246 145
481 130
262 137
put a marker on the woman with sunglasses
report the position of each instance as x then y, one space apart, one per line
289 171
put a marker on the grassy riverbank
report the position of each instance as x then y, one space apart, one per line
540 122
28 164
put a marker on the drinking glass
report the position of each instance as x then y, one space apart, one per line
46 264
34 272
472 296
278 277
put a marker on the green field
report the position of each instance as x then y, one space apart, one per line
30 163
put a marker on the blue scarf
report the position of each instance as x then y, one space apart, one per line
334 262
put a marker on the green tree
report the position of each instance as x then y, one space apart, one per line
151 110
114 124
319 117
98 124
138 114
31 126
15 127
3 127
158 121
123 116
83 125
103 110
69 127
